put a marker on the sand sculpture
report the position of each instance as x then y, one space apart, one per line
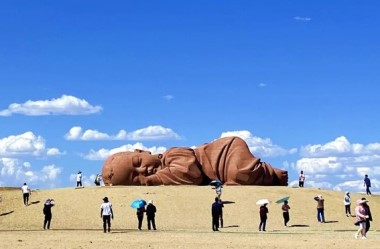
227 159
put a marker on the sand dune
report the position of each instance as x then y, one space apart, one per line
183 219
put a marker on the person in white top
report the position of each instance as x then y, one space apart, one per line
347 204
301 179
25 193
79 179
106 213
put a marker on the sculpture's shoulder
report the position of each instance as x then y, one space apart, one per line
178 150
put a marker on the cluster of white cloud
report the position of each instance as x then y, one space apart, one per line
262 147
102 154
153 132
340 159
26 144
15 171
65 105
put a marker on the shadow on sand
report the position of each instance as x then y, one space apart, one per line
228 202
298 225
3 214
332 221
230 226
34 202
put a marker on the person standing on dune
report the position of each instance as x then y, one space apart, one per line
49 203
106 213
26 192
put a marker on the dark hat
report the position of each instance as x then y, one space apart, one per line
105 199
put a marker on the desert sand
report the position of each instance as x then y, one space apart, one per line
183 219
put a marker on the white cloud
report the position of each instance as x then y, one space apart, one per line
26 144
340 147
168 97
155 132
16 171
302 19
65 105
312 184
262 85
262 147
319 165
76 133
102 154
54 152
342 162
350 186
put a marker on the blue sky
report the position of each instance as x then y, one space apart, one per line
298 80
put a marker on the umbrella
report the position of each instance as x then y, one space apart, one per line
283 200
216 183
138 203
262 202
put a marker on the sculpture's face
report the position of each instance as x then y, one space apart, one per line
144 163
124 168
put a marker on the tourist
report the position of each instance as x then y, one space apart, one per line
347 204
26 192
285 212
150 215
320 208
361 219
216 210
106 213
367 185
263 217
49 203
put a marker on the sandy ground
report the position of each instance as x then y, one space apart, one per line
183 219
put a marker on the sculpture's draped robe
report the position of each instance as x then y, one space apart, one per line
227 159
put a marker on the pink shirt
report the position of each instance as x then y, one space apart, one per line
360 213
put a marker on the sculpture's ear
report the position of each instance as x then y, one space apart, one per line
136 161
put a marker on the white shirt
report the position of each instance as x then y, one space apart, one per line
25 189
346 200
107 207
79 177
219 189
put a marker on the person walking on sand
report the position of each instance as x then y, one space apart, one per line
26 192
367 185
106 213
367 213
150 214
49 203
347 204
97 180
285 212
361 219
221 212
216 210
320 208
301 179
140 216
79 179
263 217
